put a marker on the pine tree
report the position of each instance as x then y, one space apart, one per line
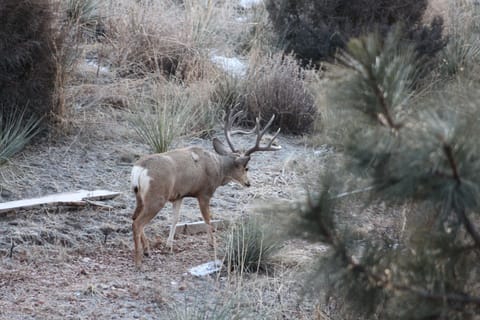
417 153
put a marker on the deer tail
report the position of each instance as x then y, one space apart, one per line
138 174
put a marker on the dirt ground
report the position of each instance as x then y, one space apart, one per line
77 263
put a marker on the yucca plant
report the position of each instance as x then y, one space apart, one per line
16 131
169 112
159 128
83 14
249 246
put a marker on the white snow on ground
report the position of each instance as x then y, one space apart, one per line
249 3
94 64
233 65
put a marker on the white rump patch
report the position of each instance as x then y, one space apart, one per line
140 178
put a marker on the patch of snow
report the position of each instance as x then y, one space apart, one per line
247 4
231 65
94 64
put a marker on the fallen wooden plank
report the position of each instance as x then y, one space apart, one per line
76 198
99 204
199 227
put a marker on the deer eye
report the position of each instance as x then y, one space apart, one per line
246 168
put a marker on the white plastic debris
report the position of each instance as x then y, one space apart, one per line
206 268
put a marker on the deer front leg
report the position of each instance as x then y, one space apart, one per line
204 203
145 244
176 215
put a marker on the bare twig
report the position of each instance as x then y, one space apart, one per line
10 255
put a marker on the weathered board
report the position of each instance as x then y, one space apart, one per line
76 198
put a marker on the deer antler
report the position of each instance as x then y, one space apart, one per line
260 134
228 128
228 132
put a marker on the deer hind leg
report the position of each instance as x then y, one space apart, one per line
204 203
143 217
136 213
176 214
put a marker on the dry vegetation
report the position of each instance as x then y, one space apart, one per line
138 77
150 63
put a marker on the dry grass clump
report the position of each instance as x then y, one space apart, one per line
167 37
210 304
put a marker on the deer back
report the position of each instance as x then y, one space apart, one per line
181 173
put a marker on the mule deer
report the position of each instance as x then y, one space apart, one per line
189 172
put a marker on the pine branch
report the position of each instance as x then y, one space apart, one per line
469 226
385 282
383 103
447 149
449 297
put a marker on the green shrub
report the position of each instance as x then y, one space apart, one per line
28 67
314 30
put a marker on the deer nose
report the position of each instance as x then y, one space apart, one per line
247 184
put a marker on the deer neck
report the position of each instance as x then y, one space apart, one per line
226 165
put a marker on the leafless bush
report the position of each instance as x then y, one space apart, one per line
275 85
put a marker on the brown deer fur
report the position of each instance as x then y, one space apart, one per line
188 172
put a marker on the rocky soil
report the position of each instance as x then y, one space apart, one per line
77 263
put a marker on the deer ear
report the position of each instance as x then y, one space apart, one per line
242 161
220 147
